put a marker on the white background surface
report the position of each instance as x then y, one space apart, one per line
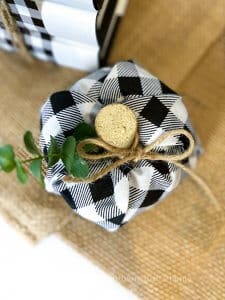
51 270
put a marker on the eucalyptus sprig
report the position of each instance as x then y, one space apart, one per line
74 164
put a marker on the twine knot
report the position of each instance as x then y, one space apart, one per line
136 153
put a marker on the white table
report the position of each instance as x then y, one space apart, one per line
51 270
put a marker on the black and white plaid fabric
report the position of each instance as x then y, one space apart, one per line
116 198
29 21
27 15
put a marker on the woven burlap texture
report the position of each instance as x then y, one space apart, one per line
176 250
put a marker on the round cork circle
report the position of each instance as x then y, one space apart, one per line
116 124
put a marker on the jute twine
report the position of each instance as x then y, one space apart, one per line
111 115
11 27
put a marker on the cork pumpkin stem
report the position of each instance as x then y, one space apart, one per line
116 124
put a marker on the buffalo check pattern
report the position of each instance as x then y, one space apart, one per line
29 21
27 15
134 187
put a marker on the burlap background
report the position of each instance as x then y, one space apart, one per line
176 250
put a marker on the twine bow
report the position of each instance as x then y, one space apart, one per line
136 153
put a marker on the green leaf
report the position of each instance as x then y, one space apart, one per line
7 158
54 153
84 131
35 168
21 172
30 143
79 167
68 151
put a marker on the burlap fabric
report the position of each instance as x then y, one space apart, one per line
177 249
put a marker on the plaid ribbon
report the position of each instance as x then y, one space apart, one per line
29 22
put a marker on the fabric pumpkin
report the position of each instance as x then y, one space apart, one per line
134 187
